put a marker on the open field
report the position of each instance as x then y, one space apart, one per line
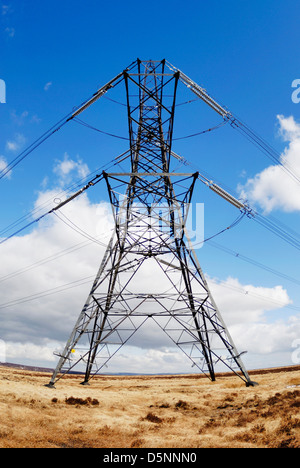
150 412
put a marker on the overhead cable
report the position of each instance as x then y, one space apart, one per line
236 123
93 182
76 185
252 261
70 116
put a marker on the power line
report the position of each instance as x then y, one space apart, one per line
77 229
265 147
47 292
91 183
85 124
252 262
50 258
43 261
82 281
236 123
270 223
65 192
70 116
277 230
91 127
246 292
8 168
91 240
203 131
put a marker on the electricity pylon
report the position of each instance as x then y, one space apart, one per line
150 204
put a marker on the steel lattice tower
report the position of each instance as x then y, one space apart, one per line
150 206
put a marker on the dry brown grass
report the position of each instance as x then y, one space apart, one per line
149 412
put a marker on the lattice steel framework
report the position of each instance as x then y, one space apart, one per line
150 206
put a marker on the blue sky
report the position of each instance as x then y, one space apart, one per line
55 55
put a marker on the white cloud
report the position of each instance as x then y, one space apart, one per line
3 166
247 303
19 119
11 146
266 338
50 316
67 169
16 144
36 325
289 128
273 188
246 310
30 352
48 85
40 305
35 119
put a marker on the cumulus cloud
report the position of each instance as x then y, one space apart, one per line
266 338
16 144
52 259
67 169
247 311
48 86
273 188
30 352
247 303
3 166
46 275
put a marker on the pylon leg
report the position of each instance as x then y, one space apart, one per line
188 315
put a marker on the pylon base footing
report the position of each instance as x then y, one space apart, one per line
252 384
50 385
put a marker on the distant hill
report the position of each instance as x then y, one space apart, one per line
49 370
